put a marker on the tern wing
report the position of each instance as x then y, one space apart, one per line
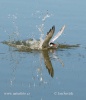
58 34
48 37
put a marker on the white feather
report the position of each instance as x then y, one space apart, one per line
58 34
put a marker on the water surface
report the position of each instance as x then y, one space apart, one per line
23 75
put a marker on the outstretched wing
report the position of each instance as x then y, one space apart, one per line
58 34
48 37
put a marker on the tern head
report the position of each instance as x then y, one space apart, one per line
52 45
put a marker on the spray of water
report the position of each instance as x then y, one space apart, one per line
15 34
41 29
30 43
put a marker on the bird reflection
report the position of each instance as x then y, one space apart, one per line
48 63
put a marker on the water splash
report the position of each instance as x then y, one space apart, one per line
41 28
30 43
15 34
45 17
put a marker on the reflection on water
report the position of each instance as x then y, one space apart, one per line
29 71
45 54
48 63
